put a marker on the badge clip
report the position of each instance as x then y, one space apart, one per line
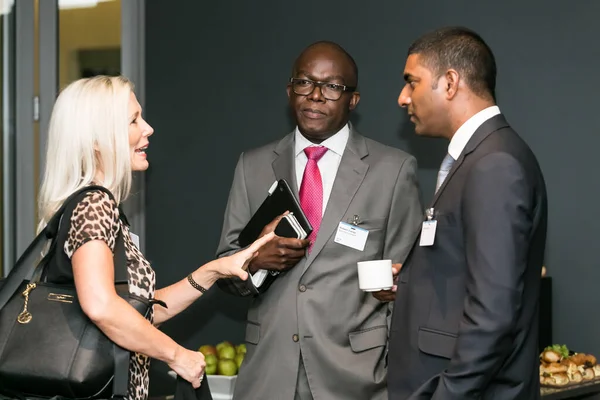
430 214
355 220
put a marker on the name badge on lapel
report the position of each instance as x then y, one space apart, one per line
428 229
135 239
351 235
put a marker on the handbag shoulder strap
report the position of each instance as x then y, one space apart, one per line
54 223
64 225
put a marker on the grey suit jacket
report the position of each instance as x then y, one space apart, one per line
465 322
316 308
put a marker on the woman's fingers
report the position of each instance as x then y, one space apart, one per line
254 247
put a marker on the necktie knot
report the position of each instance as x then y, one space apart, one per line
315 152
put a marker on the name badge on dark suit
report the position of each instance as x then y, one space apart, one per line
428 228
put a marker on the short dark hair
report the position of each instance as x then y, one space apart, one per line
337 47
463 50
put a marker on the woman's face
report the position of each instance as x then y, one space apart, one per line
139 132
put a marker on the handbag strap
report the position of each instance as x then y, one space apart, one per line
62 233
121 355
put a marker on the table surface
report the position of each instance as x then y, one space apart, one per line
577 391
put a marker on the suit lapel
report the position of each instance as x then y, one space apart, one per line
350 175
283 164
486 129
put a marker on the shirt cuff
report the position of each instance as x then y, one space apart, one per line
259 277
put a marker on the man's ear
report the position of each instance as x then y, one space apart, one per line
288 90
452 81
354 100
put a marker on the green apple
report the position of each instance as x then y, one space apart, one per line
224 344
226 353
239 358
211 359
241 348
211 369
227 367
207 349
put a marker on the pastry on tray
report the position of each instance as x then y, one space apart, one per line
560 368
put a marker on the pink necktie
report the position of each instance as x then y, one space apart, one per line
311 190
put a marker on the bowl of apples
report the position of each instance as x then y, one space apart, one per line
223 362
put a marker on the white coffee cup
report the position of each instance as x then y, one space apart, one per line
375 275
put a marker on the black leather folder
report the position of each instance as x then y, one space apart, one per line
281 198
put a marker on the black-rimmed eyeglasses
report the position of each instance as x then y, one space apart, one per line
331 91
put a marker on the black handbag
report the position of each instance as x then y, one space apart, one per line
48 346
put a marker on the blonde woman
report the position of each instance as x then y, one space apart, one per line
98 136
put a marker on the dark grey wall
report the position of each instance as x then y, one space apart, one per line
216 75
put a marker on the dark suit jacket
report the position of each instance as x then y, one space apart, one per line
465 321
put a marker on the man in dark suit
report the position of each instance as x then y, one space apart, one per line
465 321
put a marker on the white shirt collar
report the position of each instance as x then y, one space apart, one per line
336 143
464 133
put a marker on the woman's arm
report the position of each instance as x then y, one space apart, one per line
93 271
181 295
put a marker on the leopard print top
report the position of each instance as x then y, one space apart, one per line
96 217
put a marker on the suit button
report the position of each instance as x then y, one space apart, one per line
302 288
295 338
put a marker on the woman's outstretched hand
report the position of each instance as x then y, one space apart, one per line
237 264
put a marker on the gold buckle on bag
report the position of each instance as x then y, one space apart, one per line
25 316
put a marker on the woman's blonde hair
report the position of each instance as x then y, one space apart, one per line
88 134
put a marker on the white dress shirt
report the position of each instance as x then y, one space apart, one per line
464 133
328 166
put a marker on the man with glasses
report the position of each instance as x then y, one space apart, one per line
311 332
